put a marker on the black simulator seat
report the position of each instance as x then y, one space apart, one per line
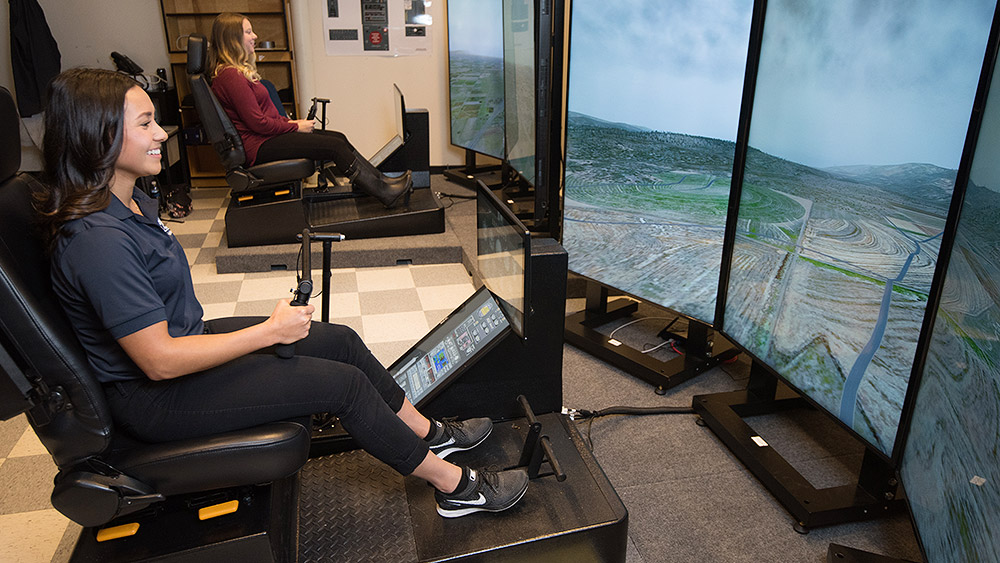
269 204
44 372
243 180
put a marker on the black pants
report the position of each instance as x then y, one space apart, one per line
325 146
332 371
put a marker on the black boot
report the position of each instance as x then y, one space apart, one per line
383 188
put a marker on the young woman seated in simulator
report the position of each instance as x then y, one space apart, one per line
265 133
124 282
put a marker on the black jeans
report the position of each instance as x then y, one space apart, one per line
332 371
326 146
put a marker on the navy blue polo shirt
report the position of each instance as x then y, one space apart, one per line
115 273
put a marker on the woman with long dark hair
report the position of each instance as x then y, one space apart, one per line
124 282
266 134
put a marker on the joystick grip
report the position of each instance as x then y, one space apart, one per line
302 292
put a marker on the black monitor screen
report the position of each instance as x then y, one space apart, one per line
519 85
447 349
858 124
951 458
654 107
504 245
475 75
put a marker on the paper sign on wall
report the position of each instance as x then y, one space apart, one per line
378 27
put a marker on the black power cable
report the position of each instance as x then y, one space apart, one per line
619 410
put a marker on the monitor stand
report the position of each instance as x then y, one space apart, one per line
471 172
704 348
873 495
843 554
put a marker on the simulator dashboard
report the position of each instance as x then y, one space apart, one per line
469 331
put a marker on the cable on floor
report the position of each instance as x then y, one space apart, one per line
575 414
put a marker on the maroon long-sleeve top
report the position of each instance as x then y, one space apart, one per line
251 110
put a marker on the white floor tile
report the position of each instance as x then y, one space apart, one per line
393 327
27 445
192 227
212 240
192 255
209 203
219 310
206 273
444 296
341 305
381 279
258 289
31 537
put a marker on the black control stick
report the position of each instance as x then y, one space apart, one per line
311 115
302 291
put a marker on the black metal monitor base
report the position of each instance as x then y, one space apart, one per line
264 529
704 348
472 172
872 496
279 222
842 554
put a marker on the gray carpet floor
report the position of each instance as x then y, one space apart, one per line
689 498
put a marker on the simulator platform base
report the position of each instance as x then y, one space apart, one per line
352 507
278 222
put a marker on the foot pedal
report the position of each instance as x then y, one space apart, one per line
116 532
217 510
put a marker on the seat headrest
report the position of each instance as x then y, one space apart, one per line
10 139
197 54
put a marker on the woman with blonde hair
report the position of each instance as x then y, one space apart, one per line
266 134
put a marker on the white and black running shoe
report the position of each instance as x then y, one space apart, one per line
487 491
453 436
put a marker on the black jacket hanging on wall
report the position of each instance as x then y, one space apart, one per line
34 55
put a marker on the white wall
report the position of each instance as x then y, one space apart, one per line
360 87
88 30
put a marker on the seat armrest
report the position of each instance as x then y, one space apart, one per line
243 457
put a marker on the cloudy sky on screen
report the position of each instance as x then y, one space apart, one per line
476 26
869 82
663 64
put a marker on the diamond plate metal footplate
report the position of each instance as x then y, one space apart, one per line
353 507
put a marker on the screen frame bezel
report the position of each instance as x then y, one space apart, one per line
451 127
739 167
483 191
986 79
739 156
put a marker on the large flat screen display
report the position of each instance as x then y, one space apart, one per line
519 85
503 248
475 75
951 459
859 118
654 107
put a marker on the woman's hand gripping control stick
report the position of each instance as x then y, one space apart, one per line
302 291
